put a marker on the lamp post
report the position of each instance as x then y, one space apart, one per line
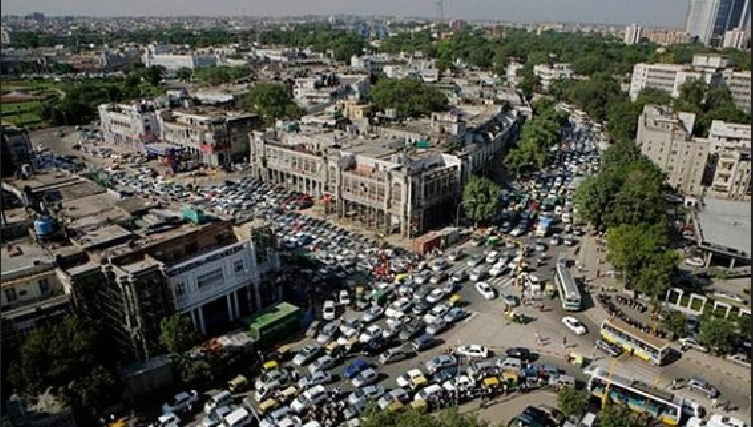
457 210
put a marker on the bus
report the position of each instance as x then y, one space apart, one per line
636 342
568 290
642 397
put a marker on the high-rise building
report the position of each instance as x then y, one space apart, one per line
633 34
708 20
736 39
745 17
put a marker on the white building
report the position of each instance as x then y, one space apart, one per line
670 77
174 59
736 39
549 73
738 83
130 125
732 144
633 34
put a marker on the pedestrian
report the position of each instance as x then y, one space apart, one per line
564 342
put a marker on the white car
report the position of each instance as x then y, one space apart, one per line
574 325
366 377
477 274
492 256
311 397
372 332
435 296
497 269
372 314
328 311
406 380
439 265
694 262
691 343
473 351
344 297
485 290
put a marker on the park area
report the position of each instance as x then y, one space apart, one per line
21 101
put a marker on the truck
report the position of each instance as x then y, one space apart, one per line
274 323
544 225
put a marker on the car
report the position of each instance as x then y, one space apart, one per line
610 349
413 379
438 277
392 396
323 363
511 300
435 296
420 308
328 310
521 353
370 333
422 277
474 261
424 342
367 393
455 256
741 359
428 392
437 327
575 325
328 333
315 378
497 269
313 329
366 377
344 297
440 362
307 354
491 257
218 400
455 314
439 264
373 314
485 290
410 330
459 276
397 354
309 398
215 418
688 342
477 274
172 420
355 368
554 241
473 351
699 385
181 402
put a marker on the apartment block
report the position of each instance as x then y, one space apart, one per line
549 73
130 125
738 83
670 77
666 139
174 58
633 34
396 180
665 37
214 137
32 295
732 145
737 38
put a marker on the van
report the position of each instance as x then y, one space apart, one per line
396 354
238 418
223 398
424 342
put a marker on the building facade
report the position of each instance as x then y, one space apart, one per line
738 83
670 77
174 58
708 20
736 39
732 145
130 125
666 139
16 149
633 34
549 73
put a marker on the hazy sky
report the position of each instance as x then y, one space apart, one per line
670 13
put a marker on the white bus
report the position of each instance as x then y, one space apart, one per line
568 289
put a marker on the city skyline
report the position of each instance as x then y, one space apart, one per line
668 13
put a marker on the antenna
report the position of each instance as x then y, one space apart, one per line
440 11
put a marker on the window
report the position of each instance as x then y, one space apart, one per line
238 266
10 294
210 279
44 286
180 289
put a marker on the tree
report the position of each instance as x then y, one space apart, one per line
373 417
408 97
530 84
572 402
184 74
153 75
271 101
480 198
717 334
177 334
622 417
71 358
676 322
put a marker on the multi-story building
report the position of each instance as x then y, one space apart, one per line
211 136
633 34
549 73
738 83
16 149
708 20
732 145
396 180
670 77
736 39
32 295
667 37
666 139
130 125
174 58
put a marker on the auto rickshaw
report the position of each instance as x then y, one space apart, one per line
510 378
491 383
455 300
268 406
238 384
420 405
517 317
120 422
395 406
288 394
576 359
400 278
285 352
270 365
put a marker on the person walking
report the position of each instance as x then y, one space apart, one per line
564 342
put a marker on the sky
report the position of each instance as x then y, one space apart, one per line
664 13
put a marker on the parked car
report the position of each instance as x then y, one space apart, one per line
575 325
315 378
181 402
688 342
485 290
307 354
366 377
473 351
355 368
610 349
367 393
521 353
328 310
702 386
439 362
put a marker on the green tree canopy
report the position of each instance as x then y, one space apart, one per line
373 417
612 416
178 333
271 101
676 322
220 75
717 334
537 137
480 198
572 402
409 97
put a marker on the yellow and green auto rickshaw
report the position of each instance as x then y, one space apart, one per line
455 300
510 378
270 365
268 406
395 406
420 405
491 383
238 384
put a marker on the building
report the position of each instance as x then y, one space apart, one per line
549 73
32 295
708 20
723 231
16 149
667 37
670 77
666 139
732 145
633 34
737 38
130 125
210 136
395 180
174 58
738 83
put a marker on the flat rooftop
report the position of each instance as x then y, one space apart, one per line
725 223
25 258
103 236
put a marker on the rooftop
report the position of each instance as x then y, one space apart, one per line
101 237
23 255
726 223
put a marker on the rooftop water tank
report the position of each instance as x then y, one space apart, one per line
44 227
